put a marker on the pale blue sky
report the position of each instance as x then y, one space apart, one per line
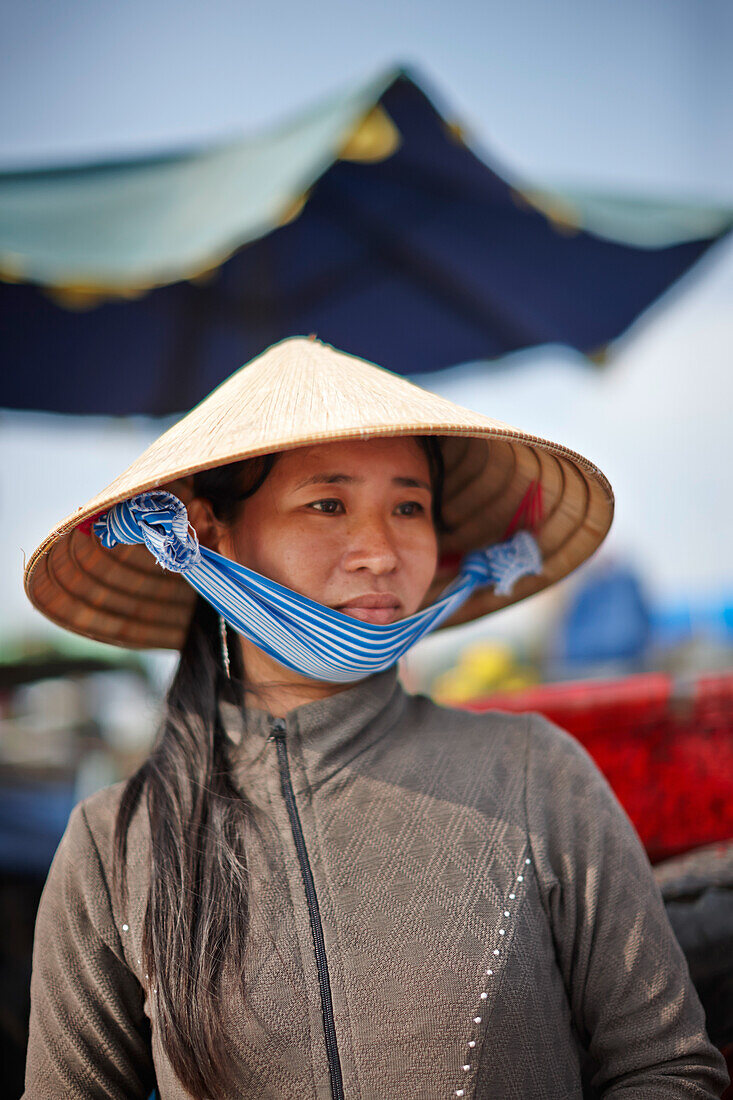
630 95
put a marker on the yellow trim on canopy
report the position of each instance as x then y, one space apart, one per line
293 209
12 268
599 356
373 139
457 131
80 297
562 215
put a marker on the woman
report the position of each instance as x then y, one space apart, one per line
317 885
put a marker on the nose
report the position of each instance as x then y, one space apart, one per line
371 547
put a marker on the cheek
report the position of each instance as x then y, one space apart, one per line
422 561
290 553
299 563
430 563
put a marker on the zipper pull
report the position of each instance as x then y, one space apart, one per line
277 729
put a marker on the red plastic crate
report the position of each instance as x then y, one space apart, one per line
665 747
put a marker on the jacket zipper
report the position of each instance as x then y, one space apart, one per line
319 947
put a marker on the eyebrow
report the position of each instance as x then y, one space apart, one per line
347 479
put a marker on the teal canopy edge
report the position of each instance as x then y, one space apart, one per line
156 220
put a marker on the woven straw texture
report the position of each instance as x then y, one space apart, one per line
299 392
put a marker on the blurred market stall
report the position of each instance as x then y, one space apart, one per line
73 718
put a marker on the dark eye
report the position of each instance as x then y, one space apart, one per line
410 508
327 507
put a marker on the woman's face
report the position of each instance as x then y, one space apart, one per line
347 524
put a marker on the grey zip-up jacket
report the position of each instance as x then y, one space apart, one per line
485 920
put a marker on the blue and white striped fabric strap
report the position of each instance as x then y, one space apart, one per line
313 639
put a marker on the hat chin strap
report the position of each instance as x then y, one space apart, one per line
312 639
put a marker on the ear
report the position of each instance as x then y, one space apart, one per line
209 529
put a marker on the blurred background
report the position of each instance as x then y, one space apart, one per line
533 203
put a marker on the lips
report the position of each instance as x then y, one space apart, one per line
379 608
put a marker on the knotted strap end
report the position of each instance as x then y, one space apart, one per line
503 564
518 557
157 519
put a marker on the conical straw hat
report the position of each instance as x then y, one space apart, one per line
302 391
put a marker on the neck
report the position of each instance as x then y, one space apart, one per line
277 689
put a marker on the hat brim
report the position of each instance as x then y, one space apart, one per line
122 597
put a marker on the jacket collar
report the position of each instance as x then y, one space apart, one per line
328 732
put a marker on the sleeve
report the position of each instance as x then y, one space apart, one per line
629 989
89 1036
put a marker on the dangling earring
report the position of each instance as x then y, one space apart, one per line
224 645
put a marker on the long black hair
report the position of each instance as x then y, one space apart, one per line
197 914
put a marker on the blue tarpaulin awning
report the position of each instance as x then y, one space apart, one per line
136 286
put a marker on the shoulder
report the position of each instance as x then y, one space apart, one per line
487 726
77 892
84 860
536 755
528 739
99 810
91 823
560 766
468 758
90 829
493 730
